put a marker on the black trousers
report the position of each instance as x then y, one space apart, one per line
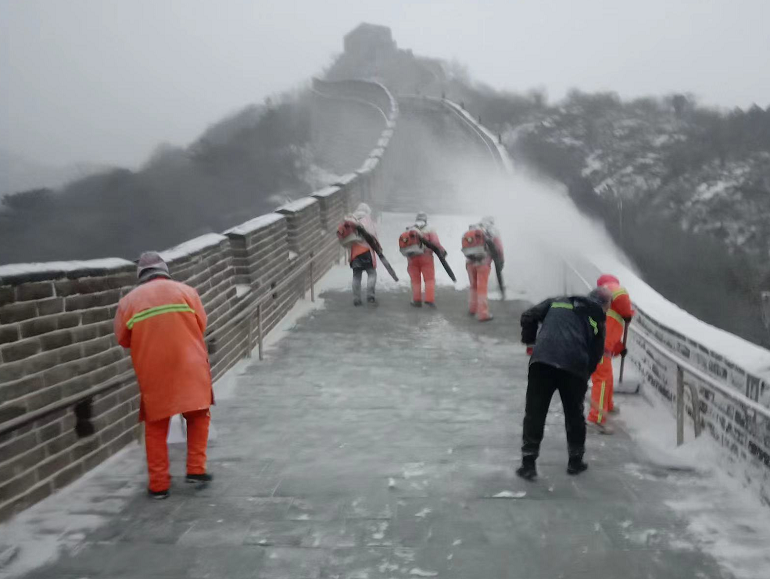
543 381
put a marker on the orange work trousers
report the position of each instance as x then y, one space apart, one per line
478 274
421 267
602 384
155 435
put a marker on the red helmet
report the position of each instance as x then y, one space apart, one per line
606 279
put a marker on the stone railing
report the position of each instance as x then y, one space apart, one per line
56 323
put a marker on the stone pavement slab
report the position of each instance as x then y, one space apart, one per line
381 442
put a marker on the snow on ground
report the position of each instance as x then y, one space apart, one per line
60 522
723 517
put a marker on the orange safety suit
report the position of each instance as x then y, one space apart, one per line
602 380
421 267
478 275
162 322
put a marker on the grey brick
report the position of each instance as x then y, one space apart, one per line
25 500
83 333
70 353
17 312
17 445
39 326
84 446
43 397
19 388
19 350
62 372
96 315
68 475
22 463
61 443
55 340
65 287
16 486
68 320
7 294
9 333
50 306
96 346
11 411
34 291
54 464
49 431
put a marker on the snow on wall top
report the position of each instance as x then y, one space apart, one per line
345 179
740 352
502 152
257 223
326 191
369 165
52 268
298 205
193 246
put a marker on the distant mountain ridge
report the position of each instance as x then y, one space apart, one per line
19 173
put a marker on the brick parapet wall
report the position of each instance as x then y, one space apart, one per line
743 434
56 327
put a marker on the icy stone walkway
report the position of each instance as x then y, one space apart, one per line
381 443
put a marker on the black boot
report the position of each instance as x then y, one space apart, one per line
527 470
357 302
416 304
158 495
576 465
199 478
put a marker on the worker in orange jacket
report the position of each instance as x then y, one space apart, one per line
363 258
421 267
163 321
479 268
620 313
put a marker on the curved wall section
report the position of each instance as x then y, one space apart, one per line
56 336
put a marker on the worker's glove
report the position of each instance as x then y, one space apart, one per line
627 320
530 350
623 352
444 253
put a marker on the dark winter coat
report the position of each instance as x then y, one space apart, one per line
571 335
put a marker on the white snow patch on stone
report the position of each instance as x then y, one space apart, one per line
256 223
725 518
298 205
347 178
193 246
417 572
58 524
510 495
54 266
242 289
326 191
423 513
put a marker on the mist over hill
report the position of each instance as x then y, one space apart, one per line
683 189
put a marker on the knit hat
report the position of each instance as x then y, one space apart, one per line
151 265
602 296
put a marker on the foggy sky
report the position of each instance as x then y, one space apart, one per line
105 81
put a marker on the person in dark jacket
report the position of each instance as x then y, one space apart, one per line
564 353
